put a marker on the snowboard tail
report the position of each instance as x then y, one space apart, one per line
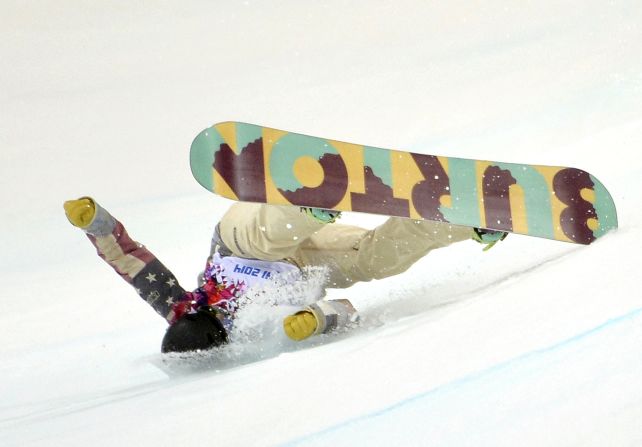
251 163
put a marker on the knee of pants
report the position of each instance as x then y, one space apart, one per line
265 232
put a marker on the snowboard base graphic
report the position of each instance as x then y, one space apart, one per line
251 163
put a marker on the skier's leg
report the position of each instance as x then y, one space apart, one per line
131 260
354 254
266 232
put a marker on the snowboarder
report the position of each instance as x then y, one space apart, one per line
254 243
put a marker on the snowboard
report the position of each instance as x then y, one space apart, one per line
252 163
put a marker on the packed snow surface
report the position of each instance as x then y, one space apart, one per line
535 342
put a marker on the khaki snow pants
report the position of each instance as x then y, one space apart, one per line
351 254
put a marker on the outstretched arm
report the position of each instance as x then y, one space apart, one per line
131 260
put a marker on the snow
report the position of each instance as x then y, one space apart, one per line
532 343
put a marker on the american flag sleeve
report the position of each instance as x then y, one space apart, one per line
135 263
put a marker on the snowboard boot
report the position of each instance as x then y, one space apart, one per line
321 215
488 237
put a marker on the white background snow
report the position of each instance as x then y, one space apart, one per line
533 343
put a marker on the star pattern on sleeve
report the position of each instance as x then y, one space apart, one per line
159 287
152 297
